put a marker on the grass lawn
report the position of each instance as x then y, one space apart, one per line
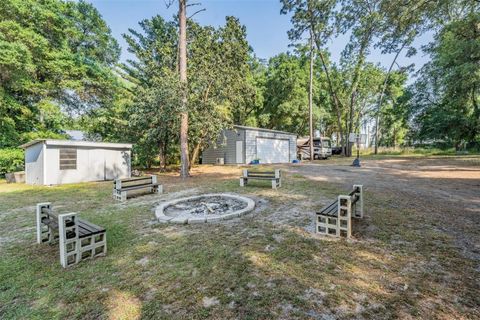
401 263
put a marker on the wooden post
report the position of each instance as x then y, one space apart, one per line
310 98
182 18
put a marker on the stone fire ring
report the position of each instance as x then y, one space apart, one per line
160 210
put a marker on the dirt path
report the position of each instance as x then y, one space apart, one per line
447 188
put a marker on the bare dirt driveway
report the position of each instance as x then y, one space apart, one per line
445 188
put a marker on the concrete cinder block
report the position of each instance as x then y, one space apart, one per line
179 220
197 220
164 219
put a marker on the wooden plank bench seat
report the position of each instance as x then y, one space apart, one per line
78 239
122 186
335 218
274 176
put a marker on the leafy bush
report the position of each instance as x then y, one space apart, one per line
11 159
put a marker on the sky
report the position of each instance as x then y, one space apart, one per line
266 27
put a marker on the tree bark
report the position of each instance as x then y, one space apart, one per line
310 99
182 17
334 97
162 156
380 99
356 79
195 153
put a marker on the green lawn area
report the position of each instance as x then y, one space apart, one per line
264 265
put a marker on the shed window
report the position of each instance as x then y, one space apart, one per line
68 158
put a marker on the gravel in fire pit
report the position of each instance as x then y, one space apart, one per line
204 208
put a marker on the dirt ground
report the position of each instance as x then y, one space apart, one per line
415 255
447 188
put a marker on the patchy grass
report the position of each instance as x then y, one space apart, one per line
400 264
410 151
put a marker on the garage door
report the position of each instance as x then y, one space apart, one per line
272 150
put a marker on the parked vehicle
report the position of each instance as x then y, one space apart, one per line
337 150
321 148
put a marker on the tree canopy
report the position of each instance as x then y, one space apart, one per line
60 69
54 57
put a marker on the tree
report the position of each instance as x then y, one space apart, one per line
310 97
54 56
152 116
286 94
218 84
220 89
446 102
317 18
182 69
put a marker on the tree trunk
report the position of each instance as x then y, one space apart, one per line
334 97
380 99
353 90
195 153
162 156
310 99
182 18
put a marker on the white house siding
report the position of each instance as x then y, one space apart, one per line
93 164
225 147
34 164
251 143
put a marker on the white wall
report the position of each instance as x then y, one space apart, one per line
251 143
93 164
34 164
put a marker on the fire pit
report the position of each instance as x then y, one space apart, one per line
204 208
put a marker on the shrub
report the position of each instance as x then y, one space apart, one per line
11 159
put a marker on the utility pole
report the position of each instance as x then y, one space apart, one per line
310 98
182 48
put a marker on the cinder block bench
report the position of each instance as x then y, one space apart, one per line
274 176
78 239
336 218
122 186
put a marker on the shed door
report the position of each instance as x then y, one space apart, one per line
272 150
239 152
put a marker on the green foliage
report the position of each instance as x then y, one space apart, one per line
220 86
394 112
11 160
58 59
446 102
54 56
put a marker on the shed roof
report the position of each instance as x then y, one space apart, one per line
72 143
265 130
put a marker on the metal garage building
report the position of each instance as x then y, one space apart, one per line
49 162
242 145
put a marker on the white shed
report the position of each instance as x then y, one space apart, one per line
50 162
242 145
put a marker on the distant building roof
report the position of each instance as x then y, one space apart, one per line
72 143
76 135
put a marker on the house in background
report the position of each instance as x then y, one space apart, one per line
242 145
51 162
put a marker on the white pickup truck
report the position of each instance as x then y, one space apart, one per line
322 148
